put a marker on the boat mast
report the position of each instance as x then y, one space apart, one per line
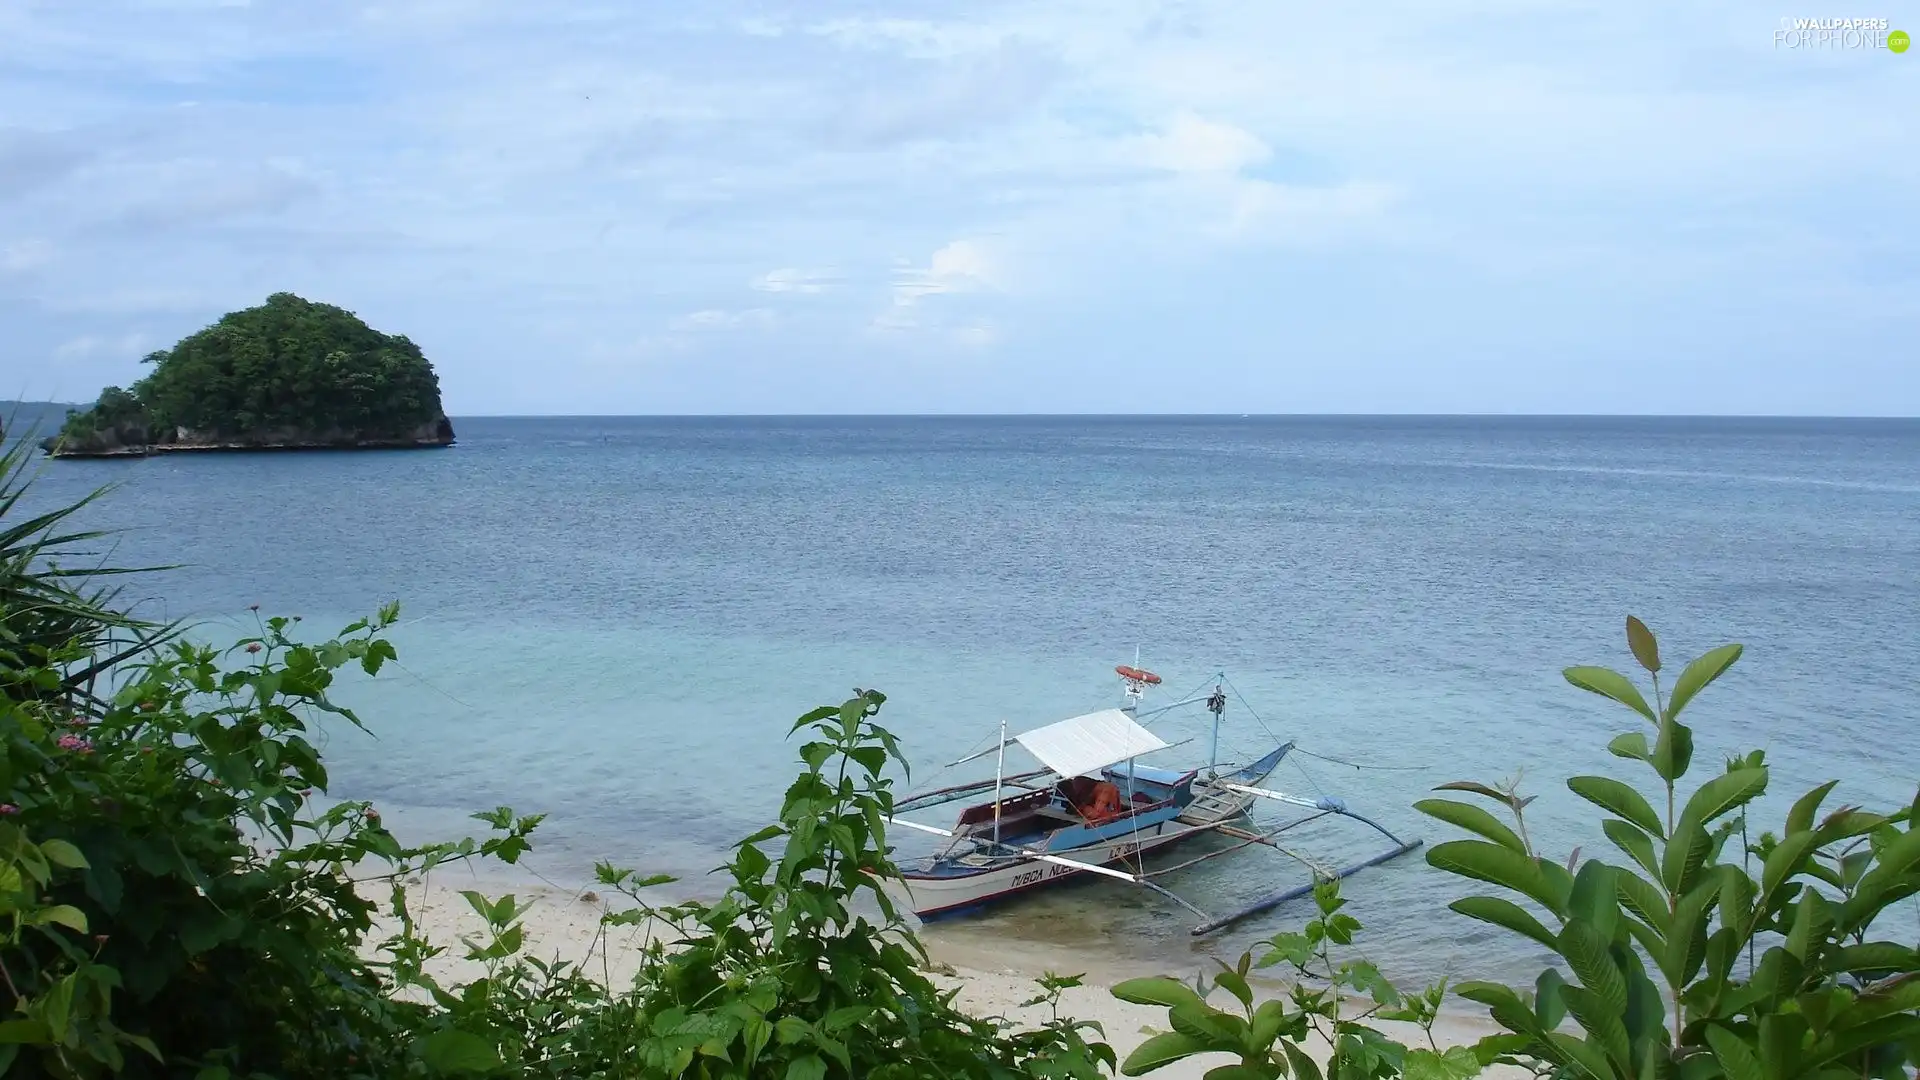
999 778
1216 705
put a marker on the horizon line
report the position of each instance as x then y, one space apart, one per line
1120 415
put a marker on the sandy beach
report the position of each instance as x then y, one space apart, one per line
566 924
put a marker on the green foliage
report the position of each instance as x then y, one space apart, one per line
288 365
778 978
1686 960
1271 1038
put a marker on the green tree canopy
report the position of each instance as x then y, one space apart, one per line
288 365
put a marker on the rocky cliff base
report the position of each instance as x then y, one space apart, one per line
139 442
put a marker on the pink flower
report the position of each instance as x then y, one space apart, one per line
253 646
76 744
8 809
253 607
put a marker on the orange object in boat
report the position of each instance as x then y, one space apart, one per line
1138 675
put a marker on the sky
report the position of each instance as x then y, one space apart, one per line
969 206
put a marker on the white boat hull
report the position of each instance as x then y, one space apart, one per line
931 896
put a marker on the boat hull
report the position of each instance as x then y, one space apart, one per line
934 895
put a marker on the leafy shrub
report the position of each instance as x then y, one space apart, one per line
1270 1039
1687 960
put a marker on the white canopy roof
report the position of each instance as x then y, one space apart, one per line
1084 745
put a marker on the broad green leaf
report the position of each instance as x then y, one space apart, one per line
1723 793
1612 795
1586 953
1786 861
1162 1050
1687 936
1506 914
1157 990
1686 851
1236 986
63 915
1610 684
1634 842
1473 819
809 1067
1698 674
1600 1020
61 853
1800 818
1893 862
1736 1057
1455 1063
451 1050
1595 899
1641 641
1632 746
1548 1005
1496 865
1580 1055
1673 750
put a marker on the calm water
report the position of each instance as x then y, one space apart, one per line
614 621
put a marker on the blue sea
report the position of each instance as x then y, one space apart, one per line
615 621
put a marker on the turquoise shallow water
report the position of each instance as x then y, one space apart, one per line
615 621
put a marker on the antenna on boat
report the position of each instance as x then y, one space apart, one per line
1217 705
999 778
1134 682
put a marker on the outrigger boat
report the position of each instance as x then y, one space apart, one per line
1092 808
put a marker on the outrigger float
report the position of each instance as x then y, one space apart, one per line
1092 808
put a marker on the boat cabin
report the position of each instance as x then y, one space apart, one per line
1097 784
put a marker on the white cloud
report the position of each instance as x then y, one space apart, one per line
716 319
1191 144
791 280
960 266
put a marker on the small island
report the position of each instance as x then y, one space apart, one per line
289 374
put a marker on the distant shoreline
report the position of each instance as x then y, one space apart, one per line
158 449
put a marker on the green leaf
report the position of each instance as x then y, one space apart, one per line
61 853
1162 1050
1736 1057
1586 953
1239 1072
1634 842
1698 674
1786 861
1613 796
1610 684
1473 819
1684 856
1600 1020
1645 649
1800 818
1505 913
1580 1054
1236 986
1497 865
1673 750
810 1067
1723 793
61 914
1158 990
1476 788
1595 899
1455 1063
1632 746
451 1050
